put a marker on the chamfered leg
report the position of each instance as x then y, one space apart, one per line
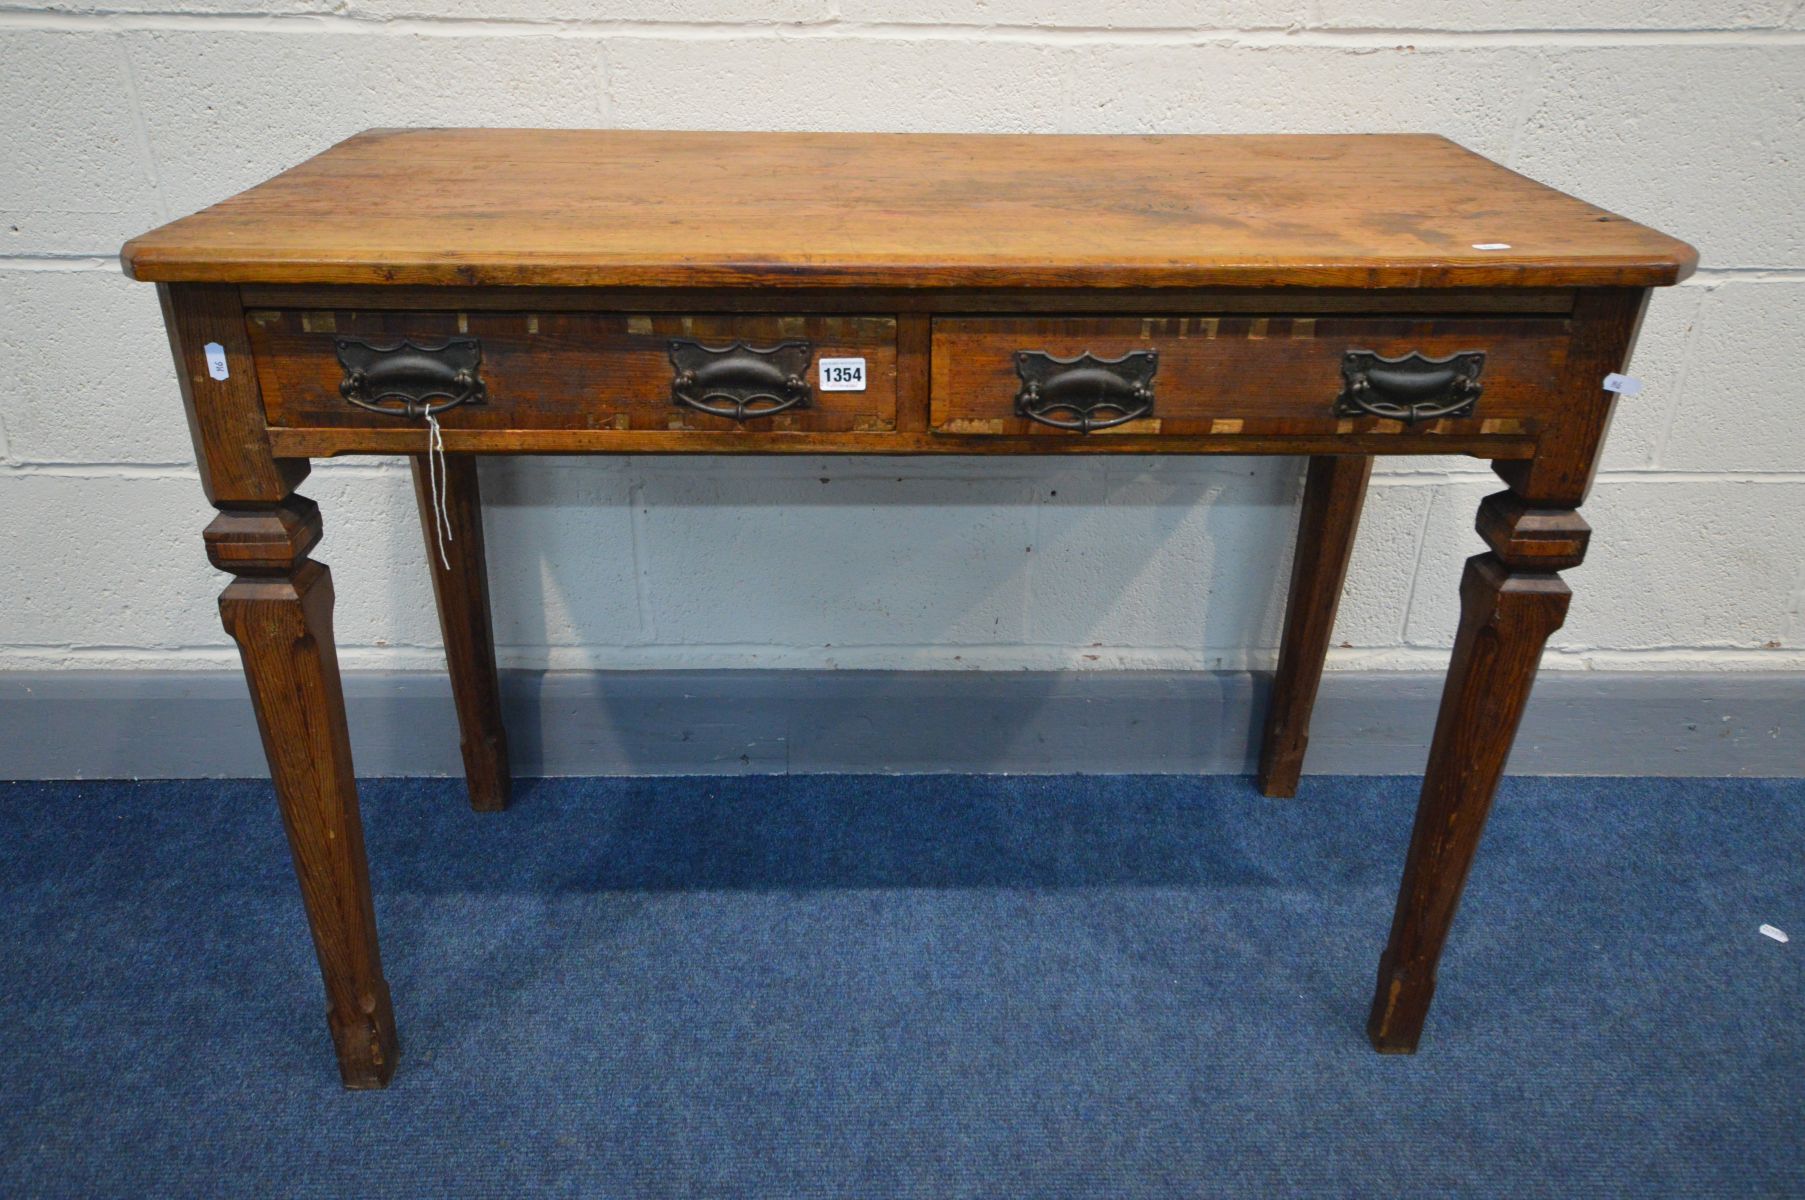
279 611
1334 490
1510 601
462 591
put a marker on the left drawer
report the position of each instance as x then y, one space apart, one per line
712 373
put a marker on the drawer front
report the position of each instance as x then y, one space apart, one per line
1246 375
574 370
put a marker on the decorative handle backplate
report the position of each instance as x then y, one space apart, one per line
405 378
1411 388
740 382
1086 393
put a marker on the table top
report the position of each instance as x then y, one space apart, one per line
626 208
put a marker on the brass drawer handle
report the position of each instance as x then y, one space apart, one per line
740 382
1085 393
405 378
1410 388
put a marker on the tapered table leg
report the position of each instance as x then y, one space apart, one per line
1334 490
460 584
1510 601
279 611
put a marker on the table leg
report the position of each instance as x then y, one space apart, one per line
1511 600
462 591
1334 490
279 611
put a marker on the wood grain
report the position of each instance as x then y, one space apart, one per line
569 370
605 208
1606 322
461 591
1334 492
1510 602
1261 374
1363 437
803 296
282 623
263 541
225 416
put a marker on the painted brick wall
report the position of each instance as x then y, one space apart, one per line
1687 114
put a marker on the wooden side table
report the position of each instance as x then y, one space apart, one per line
518 292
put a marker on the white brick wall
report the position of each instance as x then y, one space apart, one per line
1687 114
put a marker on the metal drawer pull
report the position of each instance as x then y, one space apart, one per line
740 382
405 378
1086 393
1411 388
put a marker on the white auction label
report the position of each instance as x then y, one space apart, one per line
216 360
842 374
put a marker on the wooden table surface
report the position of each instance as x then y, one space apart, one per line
599 208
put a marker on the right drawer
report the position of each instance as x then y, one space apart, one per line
1189 375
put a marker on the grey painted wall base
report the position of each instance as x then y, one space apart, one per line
95 725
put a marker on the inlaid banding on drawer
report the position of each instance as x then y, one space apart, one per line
1249 375
571 370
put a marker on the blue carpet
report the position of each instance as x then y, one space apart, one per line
931 986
